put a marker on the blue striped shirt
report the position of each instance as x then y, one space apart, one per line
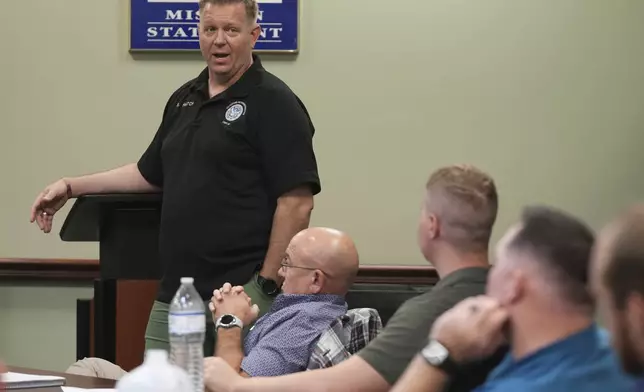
282 340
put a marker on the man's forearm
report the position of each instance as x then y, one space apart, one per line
229 347
126 178
421 377
292 215
354 375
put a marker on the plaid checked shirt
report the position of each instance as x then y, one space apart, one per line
346 336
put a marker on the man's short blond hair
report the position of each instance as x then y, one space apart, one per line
465 201
249 5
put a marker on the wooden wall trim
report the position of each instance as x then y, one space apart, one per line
48 269
88 270
397 274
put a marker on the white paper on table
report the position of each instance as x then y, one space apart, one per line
21 380
12 377
74 389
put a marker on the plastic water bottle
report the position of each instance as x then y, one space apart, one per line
156 374
187 330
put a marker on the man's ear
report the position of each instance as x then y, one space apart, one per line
317 281
255 32
513 287
634 312
433 229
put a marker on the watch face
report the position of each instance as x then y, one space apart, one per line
227 319
435 353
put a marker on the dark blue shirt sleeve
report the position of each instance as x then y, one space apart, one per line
283 350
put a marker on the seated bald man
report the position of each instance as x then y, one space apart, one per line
318 269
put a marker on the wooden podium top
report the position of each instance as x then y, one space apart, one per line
83 221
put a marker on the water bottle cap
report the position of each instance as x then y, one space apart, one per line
186 280
156 356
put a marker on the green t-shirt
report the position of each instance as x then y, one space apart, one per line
408 329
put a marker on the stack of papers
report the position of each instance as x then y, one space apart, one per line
19 380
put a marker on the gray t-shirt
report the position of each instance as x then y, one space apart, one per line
408 329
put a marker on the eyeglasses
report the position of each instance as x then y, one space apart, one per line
285 265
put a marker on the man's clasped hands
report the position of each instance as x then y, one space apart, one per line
233 300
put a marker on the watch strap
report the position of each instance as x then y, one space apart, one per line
268 286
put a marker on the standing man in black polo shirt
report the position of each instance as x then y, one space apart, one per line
234 159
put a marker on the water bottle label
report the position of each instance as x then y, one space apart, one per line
185 323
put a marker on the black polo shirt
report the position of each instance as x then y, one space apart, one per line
222 163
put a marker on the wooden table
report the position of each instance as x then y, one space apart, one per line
72 380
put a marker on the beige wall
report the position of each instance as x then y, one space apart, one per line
38 324
544 94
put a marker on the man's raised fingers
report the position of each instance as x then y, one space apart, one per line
494 318
35 207
238 289
481 304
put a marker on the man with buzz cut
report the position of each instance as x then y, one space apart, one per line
459 210
233 157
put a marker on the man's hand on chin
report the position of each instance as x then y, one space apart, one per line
219 376
473 329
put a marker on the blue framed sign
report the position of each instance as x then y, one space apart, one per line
172 25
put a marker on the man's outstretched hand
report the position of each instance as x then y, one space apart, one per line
47 203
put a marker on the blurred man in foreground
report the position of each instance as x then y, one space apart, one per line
617 278
538 298
456 220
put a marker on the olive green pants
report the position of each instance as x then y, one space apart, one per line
156 333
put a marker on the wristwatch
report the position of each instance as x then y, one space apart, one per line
268 286
437 356
228 321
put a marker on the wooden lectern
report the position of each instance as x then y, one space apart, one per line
126 226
